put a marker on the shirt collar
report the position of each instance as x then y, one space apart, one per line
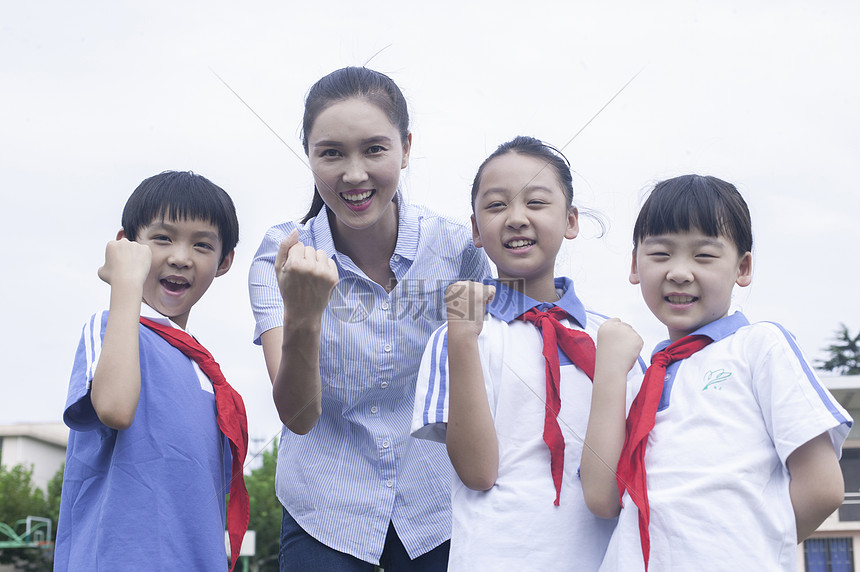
716 330
508 303
147 311
407 230
321 231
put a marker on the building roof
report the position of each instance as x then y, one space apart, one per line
53 433
832 382
845 388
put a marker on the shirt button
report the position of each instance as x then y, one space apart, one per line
385 444
389 484
385 305
387 347
374 409
396 258
383 385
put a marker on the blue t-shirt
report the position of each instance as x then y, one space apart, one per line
150 497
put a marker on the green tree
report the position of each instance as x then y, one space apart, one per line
19 498
844 353
266 511
52 501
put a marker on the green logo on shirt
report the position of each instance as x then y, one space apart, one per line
715 378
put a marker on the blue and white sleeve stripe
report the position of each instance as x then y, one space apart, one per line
436 401
430 416
825 396
93 343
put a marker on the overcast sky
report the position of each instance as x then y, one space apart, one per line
97 96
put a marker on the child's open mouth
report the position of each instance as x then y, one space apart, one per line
515 244
174 285
676 299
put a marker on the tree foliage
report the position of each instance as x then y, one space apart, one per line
266 511
20 498
844 353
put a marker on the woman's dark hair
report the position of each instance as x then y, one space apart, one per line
348 83
525 145
181 195
688 202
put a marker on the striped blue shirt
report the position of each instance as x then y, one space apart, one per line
358 469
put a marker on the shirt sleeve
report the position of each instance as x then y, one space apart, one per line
475 265
266 301
795 404
430 413
79 413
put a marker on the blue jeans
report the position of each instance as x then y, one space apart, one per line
301 552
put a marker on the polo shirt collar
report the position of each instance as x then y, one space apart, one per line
508 303
407 231
716 330
147 311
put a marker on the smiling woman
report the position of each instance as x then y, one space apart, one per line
355 488
356 155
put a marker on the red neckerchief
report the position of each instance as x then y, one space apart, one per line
640 420
579 347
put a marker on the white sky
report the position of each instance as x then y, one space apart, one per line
97 96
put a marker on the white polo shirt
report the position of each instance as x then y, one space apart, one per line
515 524
729 417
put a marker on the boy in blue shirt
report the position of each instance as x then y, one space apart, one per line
148 463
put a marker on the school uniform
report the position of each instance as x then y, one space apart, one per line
718 486
515 524
150 497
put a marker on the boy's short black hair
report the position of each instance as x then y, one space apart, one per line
689 202
182 195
